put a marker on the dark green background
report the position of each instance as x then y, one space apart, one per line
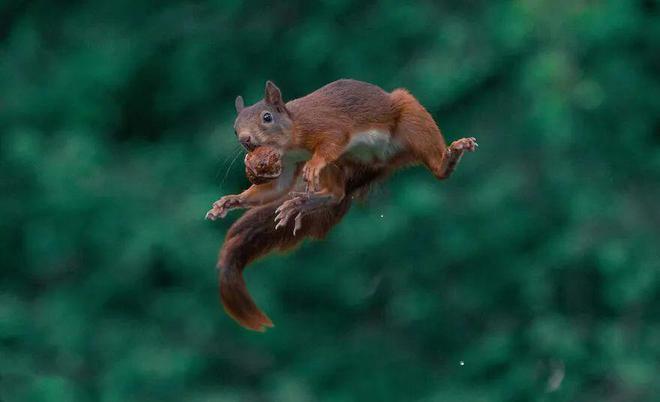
537 264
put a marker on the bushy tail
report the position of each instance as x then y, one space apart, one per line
254 235
238 303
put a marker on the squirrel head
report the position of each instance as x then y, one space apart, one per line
267 122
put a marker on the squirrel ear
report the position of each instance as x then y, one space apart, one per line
273 94
239 104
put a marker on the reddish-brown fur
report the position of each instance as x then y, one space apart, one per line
254 235
322 123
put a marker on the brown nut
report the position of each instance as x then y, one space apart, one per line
263 165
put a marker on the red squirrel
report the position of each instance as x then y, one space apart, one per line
331 144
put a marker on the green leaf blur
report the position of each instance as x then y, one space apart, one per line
532 274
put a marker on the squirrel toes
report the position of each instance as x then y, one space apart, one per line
307 158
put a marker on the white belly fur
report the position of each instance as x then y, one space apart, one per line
289 162
372 146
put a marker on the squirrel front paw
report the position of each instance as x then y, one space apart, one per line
222 206
311 175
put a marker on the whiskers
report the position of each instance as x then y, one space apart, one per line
234 154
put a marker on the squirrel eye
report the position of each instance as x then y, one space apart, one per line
267 117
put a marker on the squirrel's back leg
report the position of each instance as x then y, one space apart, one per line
423 139
252 236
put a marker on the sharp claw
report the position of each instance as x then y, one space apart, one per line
279 223
282 219
298 223
282 223
286 211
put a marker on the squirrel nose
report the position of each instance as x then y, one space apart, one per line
246 142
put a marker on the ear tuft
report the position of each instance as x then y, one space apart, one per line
240 105
273 95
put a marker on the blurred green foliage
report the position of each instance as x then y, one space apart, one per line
537 264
